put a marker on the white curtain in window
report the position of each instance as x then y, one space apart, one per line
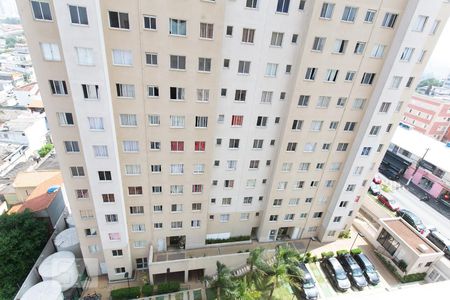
85 56
122 57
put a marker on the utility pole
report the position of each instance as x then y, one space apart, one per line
417 166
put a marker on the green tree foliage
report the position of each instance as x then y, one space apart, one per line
10 21
11 42
45 150
222 282
22 238
430 82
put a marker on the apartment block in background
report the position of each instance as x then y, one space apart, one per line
181 121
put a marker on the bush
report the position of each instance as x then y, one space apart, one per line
45 150
402 265
345 234
413 277
126 293
229 240
402 279
147 290
355 251
327 254
341 252
167 287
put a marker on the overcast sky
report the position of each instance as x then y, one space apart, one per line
439 63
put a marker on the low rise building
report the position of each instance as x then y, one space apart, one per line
27 129
26 94
26 182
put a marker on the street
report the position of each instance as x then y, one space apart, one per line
432 214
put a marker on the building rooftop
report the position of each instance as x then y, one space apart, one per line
26 88
409 235
22 122
417 143
41 197
27 179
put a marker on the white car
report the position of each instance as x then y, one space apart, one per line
374 188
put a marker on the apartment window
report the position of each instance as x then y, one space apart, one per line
157 208
266 97
197 188
93 248
303 167
297 124
271 70
303 100
201 122
282 185
108 198
85 56
77 171
384 108
333 125
244 67
341 102
389 127
111 218
244 216
367 78
375 130
177 121
176 208
78 15
409 82
204 64
309 147
118 20
199 146
319 166
202 95
251 4
65 119
396 80
389 20
277 39
177 27
176 189
132 170
41 10
154 120
327 10
206 30
258 144
340 46
359 47
178 62
226 201
125 90
286 167
349 126
229 31
130 146
177 146
370 15
71 146
326 146
261 121
291 147
224 218
289 217
311 73
407 54
196 206
342 147
129 120
421 56
301 5
331 75
294 39
380 147
317 215
337 219
177 93
195 223
136 210
58 87
228 183
248 35
104 175
299 184
150 22
176 169
366 151
378 51
176 225
421 21
350 187
282 95
90 91
82 193
240 95
349 14
95 123
273 218
90 232
335 166
434 27
358 103
226 63
316 125
233 144
254 164
151 59
283 6
50 51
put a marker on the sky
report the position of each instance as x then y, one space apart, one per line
439 63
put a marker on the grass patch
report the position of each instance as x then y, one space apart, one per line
282 293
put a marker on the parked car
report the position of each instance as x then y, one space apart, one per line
388 201
368 269
336 274
353 271
412 220
390 174
374 188
440 241
309 290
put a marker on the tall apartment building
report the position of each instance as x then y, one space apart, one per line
180 121
429 115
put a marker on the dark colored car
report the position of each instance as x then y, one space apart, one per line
336 274
368 269
440 241
390 174
309 290
388 201
353 271
411 219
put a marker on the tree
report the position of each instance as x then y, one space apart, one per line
430 82
222 282
245 290
11 42
255 260
22 238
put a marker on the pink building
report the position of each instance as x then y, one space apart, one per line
429 115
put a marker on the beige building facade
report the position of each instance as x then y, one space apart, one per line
181 121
